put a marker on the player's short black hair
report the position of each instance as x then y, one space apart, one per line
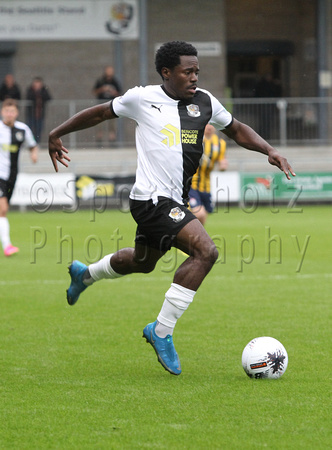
10 102
168 55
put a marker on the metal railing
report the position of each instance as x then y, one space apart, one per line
287 121
282 121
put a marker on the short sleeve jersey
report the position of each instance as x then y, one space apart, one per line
11 141
169 138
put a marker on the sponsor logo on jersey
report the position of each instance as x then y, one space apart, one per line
193 110
189 136
177 214
172 135
12 148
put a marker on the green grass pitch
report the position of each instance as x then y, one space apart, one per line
82 377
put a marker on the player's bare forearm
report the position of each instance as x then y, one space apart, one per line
34 153
247 138
84 119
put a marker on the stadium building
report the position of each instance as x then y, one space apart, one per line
238 43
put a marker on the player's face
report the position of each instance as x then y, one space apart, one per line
9 114
181 81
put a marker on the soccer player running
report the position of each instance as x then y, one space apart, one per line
171 119
13 136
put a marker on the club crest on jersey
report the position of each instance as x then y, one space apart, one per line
19 136
177 214
193 110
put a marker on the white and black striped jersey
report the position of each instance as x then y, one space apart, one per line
169 136
11 141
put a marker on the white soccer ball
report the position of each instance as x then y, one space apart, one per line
264 357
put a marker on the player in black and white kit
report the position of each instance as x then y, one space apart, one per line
170 119
13 136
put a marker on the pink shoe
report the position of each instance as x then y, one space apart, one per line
10 250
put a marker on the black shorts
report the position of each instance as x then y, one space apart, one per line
6 188
158 225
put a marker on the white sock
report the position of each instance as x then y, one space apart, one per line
101 269
177 300
4 232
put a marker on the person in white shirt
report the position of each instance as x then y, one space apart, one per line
170 119
13 136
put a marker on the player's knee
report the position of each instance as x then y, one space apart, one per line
209 254
144 264
213 254
147 267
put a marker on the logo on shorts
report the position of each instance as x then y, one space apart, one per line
193 202
177 214
193 110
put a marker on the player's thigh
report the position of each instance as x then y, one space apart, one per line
195 241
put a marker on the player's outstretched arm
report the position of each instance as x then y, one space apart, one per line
34 153
84 119
246 137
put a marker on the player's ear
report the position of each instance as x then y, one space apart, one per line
165 72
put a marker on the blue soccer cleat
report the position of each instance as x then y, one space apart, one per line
164 348
76 271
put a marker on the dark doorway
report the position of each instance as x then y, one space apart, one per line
248 61
7 50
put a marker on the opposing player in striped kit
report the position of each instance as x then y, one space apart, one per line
170 119
200 198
